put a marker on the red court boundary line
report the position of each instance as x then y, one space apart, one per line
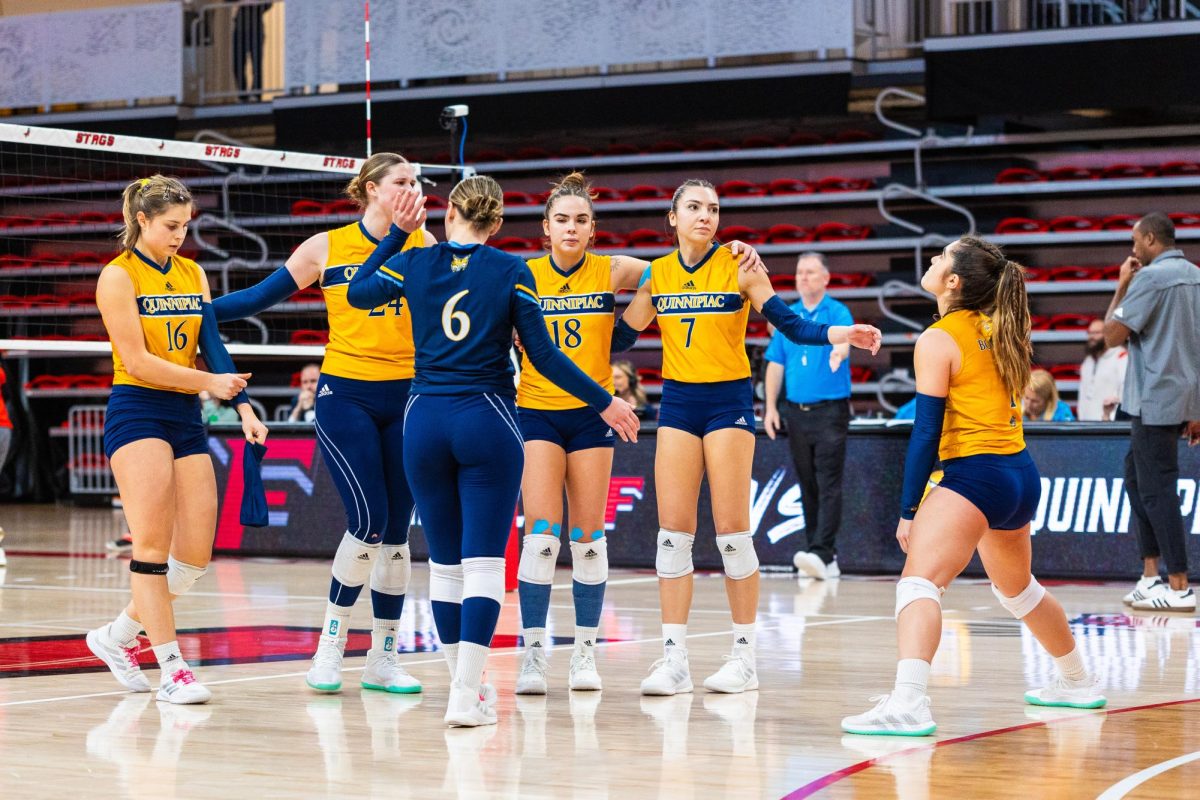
812 788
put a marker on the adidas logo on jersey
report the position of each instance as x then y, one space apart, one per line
740 421
546 553
170 288
689 285
566 287
458 263
325 391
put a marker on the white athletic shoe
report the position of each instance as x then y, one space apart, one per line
738 674
532 678
583 677
890 717
1146 588
810 565
470 708
832 570
385 674
3 558
121 661
325 674
1168 600
1068 695
669 675
182 688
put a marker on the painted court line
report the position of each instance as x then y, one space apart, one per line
1119 790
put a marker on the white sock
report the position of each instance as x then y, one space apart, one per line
337 621
170 660
383 635
744 634
674 636
1072 667
124 630
534 636
450 651
912 679
472 658
585 639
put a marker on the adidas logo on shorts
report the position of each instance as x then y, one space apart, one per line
690 285
325 391
546 553
740 421
609 434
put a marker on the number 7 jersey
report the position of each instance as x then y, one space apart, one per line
578 304
702 316
375 345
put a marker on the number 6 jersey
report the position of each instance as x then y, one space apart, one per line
578 304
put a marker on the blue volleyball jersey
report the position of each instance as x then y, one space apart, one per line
464 301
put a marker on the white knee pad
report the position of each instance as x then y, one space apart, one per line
483 577
539 554
352 562
737 553
589 562
445 583
182 577
674 557
1026 601
392 571
909 590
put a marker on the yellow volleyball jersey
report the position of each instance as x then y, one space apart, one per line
981 415
702 316
578 304
169 304
375 345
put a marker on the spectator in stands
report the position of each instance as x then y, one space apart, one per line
628 387
248 46
305 407
817 413
213 410
1156 309
1101 376
1041 400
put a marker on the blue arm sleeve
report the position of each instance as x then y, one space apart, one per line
922 452
549 360
271 290
213 349
624 336
791 325
370 288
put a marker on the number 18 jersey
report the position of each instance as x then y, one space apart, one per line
578 304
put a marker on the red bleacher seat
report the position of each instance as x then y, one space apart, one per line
1069 322
850 280
783 281
1070 273
1037 274
16 222
1127 171
305 208
1110 273
740 188
1039 322
621 149
92 217
835 183
852 135
667 146
648 237
1070 223
644 191
532 153
758 142
860 374
1021 225
309 294
804 139
650 375
576 151
607 239
55 218
1019 175
840 231
1185 219
309 336
93 381
91 258
343 206
713 143
607 194
1174 169
510 243
757 327
786 233
14 262
741 232
433 201
513 198
1071 174
488 154
789 186
1064 372
1118 222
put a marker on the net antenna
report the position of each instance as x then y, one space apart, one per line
367 49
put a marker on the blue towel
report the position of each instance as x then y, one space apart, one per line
254 497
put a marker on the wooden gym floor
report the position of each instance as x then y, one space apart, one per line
67 730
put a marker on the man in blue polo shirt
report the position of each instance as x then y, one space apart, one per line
817 413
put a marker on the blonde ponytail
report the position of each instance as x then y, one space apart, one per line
151 196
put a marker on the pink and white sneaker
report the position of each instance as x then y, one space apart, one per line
182 688
121 661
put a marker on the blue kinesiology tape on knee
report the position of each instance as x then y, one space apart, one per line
543 527
577 535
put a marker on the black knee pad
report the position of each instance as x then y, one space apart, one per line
147 567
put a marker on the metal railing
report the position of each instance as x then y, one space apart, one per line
236 52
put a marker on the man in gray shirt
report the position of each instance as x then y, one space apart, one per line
1156 308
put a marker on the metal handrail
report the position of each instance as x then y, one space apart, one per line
893 288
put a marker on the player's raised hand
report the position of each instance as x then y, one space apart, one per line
226 385
865 337
620 417
408 214
748 258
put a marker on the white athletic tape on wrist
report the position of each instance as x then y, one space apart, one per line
539 554
182 577
738 555
589 562
1025 602
393 570
352 562
911 589
483 577
445 583
674 556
